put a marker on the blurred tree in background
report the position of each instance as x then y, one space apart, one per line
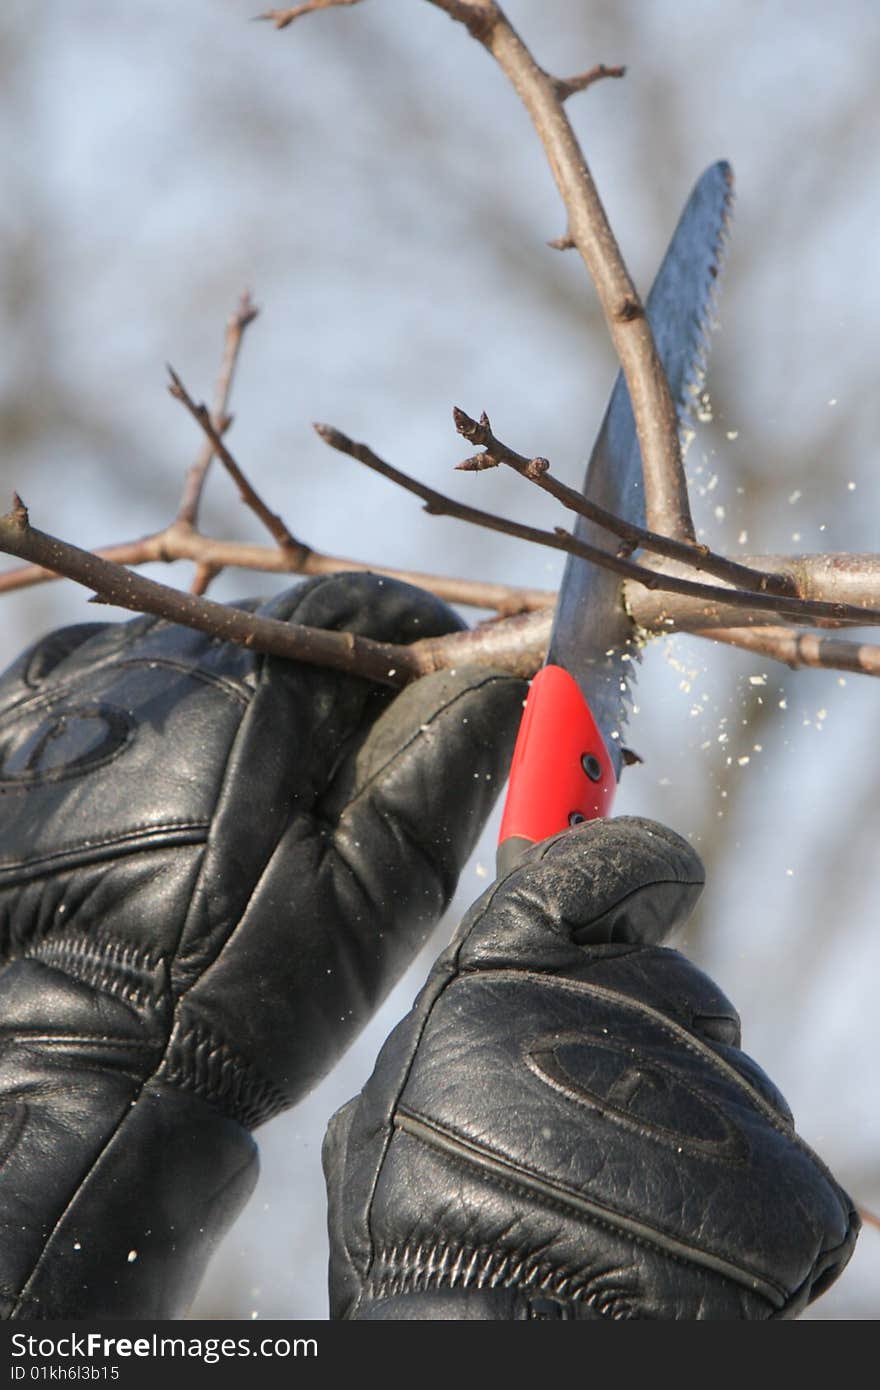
369 176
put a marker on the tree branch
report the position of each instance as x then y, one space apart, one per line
567 86
245 314
251 498
343 651
869 1217
851 580
516 644
437 504
797 649
281 18
820 588
666 500
180 542
537 471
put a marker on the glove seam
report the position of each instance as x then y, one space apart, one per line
22 1298
36 697
419 733
173 832
518 1178
453 970
222 785
22 1301
394 1103
40 698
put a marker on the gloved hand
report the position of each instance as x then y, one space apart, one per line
213 865
564 1126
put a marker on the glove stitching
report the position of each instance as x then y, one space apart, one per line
415 1267
103 963
536 1187
615 906
199 1059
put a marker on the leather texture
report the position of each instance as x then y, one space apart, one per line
213 866
565 1125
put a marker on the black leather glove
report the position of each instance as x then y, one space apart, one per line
213 865
564 1126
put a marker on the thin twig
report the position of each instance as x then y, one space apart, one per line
537 471
667 507
251 498
436 504
244 314
281 18
567 86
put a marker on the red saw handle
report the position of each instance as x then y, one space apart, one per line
561 772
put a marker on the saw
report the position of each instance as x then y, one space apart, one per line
569 752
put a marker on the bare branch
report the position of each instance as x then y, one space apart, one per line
281 18
516 644
798 649
537 470
274 525
245 314
178 542
851 580
343 651
567 86
666 501
204 578
436 504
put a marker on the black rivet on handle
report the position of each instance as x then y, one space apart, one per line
592 767
576 817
